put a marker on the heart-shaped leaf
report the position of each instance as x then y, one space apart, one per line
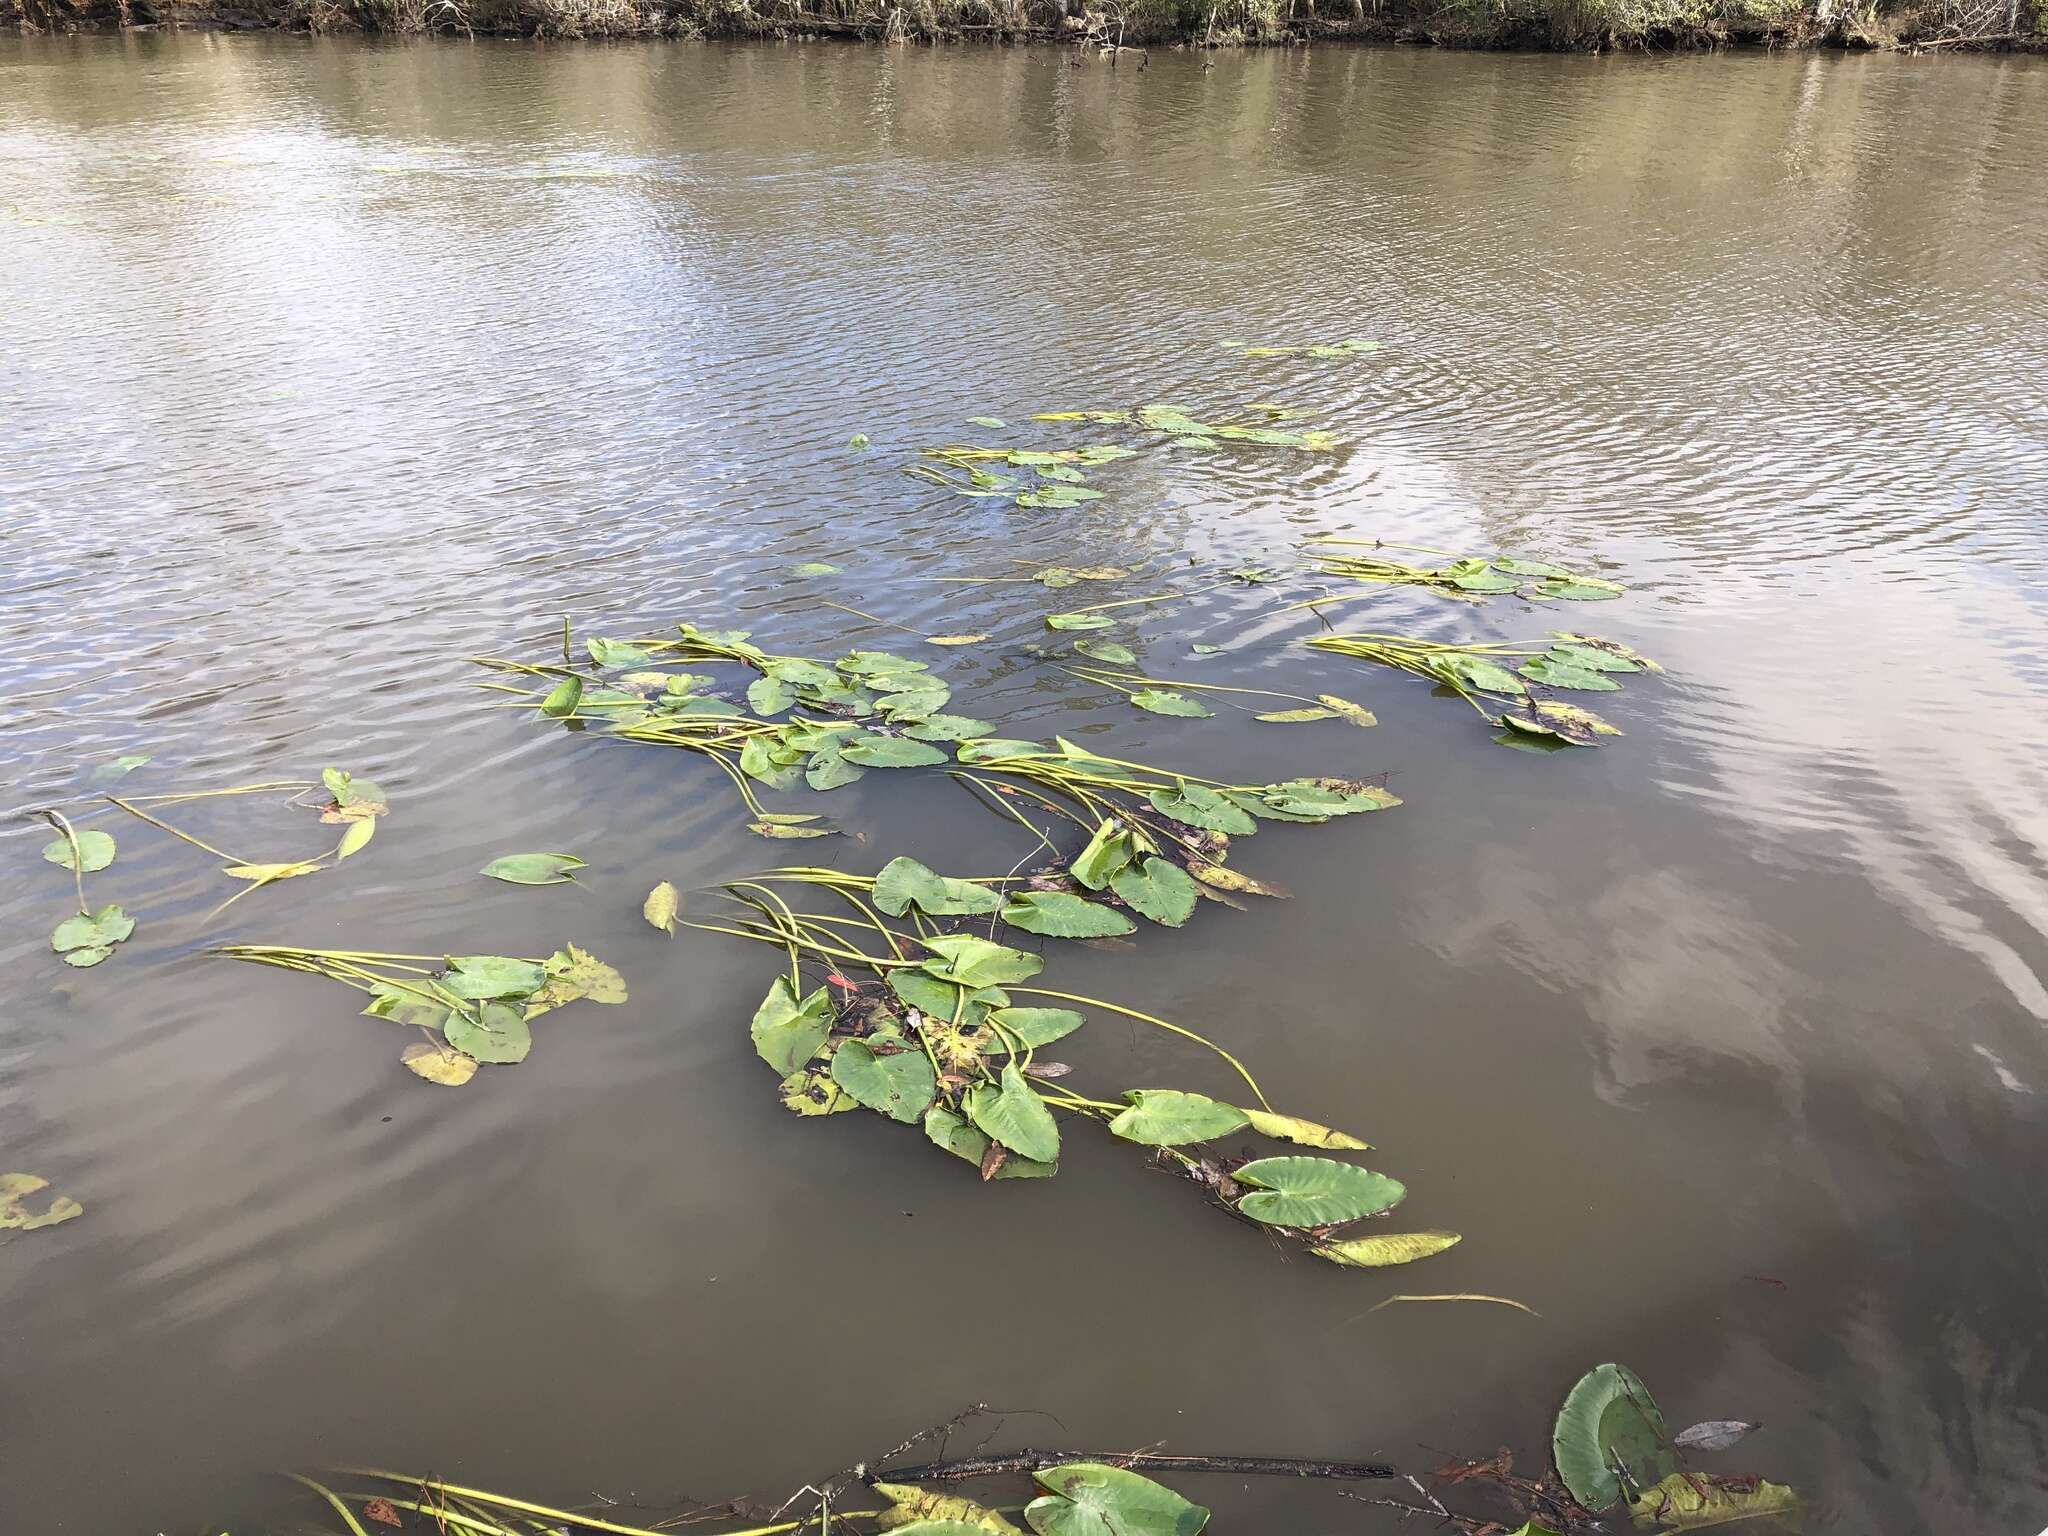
1314 1191
904 882
1157 888
533 868
787 1031
1063 915
1166 1117
496 1033
1012 1113
1164 701
95 851
1089 1499
900 1085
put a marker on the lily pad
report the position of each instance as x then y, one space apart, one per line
1303 1133
1314 1191
904 882
1164 701
498 1034
1683 1502
787 1031
899 1085
533 868
661 906
1555 673
1157 888
1031 1027
1089 1499
1167 1117
14 1215
871 751
438 1063
481 977
1609 1420
1012 1113
120 767
811 1091
96 933
1073 621
1063 915
1391 1248
95 851
1195 805
976 962
957 1136
1107 650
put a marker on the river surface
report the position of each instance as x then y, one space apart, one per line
329 365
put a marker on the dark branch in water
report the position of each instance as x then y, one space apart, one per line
1142 1461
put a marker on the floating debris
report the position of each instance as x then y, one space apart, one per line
469 1009
353 804
661 906
1497 679
14 1215
1472 578
1353 347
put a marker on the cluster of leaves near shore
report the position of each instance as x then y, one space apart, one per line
1612 1449
470 1010
1512 685
1471 577
944 1030
90 936
1058 477
1612 1454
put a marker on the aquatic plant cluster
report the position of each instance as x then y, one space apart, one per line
901 996
1611 1451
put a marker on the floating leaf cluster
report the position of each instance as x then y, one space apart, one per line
1611 1448
1472 577
1512 685
945 1028
470 1010
89 936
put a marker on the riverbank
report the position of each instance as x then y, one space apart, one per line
1527 24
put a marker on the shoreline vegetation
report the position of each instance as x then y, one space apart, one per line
1119 29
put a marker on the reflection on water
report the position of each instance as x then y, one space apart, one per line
332 364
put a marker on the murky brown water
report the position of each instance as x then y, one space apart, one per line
328 365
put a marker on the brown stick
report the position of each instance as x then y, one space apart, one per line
1137 1461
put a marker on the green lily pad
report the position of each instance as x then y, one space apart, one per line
1164 701
533 868
904 882
1012 1113
1167 1117
497 1034
787 1031
899 1085
871 751
976 962
1063 915
1158 889
480 977
1089 1499
1314 1191
95 851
